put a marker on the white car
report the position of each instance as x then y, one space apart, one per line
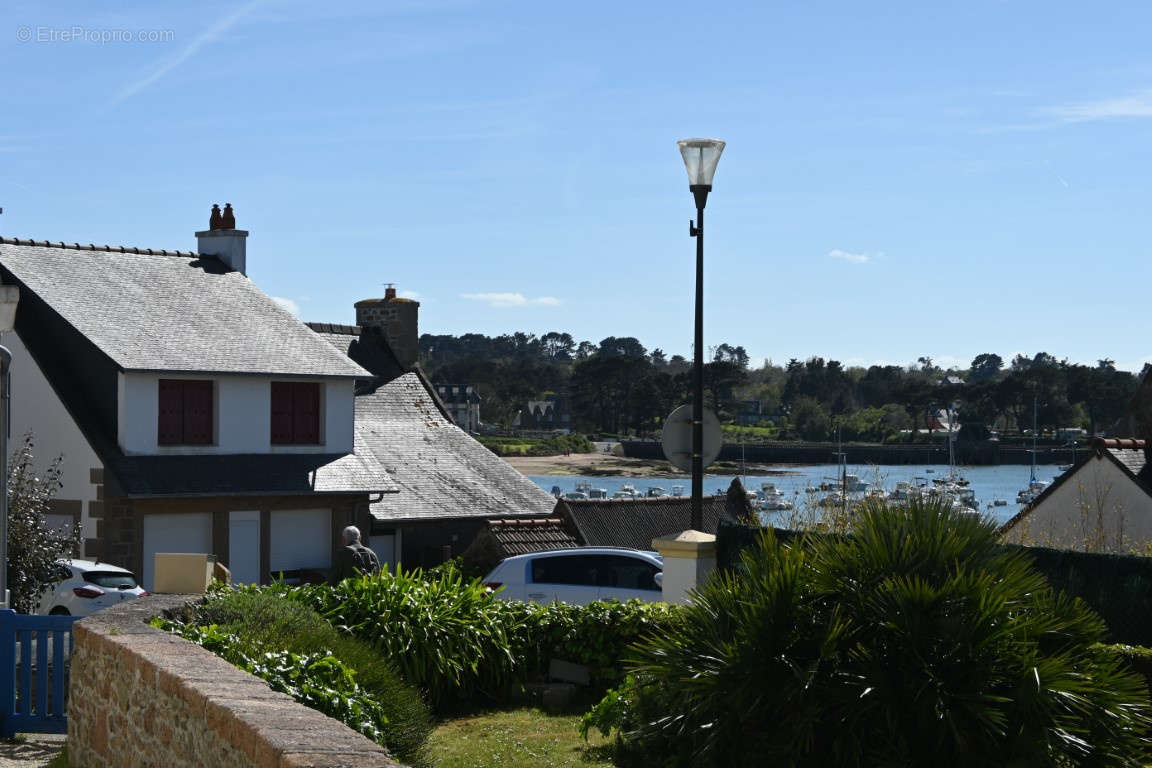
579 576
86 586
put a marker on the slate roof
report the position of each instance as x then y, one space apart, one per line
439 471
635 522
170 311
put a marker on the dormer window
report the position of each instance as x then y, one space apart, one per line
186 413
295 413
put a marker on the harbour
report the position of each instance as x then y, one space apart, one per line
988 484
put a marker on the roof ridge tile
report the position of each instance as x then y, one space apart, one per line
92 247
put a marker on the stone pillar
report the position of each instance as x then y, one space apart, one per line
689 556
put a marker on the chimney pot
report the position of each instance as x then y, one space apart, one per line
215 221
229 218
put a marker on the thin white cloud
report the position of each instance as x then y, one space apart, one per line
1138 104
414 295
168 63
852 258
287 304
511 300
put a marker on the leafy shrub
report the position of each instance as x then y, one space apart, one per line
33 546
264 618
446 635
913 641
319 681
1138 658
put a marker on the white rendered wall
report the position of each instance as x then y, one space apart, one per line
36 408
1098 509
243 419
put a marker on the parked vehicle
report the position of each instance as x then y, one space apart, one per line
579 576
86 586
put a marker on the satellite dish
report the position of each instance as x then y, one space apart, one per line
677 439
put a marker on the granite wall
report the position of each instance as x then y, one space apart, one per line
139 696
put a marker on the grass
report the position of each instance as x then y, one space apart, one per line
516 738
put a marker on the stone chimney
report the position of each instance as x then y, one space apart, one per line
397 320
223 240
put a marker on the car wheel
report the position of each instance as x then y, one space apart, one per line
59 611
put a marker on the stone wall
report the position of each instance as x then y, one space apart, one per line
139 696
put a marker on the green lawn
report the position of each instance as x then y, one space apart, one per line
517 738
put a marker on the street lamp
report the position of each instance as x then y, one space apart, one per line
700 159
9 297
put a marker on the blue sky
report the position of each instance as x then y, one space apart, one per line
901 179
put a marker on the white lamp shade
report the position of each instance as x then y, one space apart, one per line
9 297
700 159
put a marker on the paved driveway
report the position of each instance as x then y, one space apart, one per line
34 750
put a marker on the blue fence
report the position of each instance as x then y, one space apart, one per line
35 652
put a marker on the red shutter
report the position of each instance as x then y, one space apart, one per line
306 413
198 413
170 420
281 412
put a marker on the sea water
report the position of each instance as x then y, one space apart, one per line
988 483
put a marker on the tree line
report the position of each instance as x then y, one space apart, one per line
619 386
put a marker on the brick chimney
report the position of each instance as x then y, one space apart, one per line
397 320
223 240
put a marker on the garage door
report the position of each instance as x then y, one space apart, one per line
174 533
300 538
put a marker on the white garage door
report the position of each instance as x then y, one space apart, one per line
299 538
174 533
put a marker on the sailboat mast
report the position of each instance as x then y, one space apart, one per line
1035 411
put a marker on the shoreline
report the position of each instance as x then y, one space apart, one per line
607 465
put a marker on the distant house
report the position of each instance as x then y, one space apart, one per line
462 404
551 411
632 523
1102 504
193 413
447 484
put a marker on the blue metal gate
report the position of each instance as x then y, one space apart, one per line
35 652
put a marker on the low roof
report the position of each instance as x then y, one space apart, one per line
439 470
164 311
636 522
516 536
1126 453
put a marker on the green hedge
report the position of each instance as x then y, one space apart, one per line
449 637
525 446
1117 587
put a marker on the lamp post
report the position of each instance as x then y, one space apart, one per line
700 159
9 297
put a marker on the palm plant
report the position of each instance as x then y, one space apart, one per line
914 640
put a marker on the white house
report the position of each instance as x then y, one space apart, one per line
192 412
1102 504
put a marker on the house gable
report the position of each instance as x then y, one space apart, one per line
1100 506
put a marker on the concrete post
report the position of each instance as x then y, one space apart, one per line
689 556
